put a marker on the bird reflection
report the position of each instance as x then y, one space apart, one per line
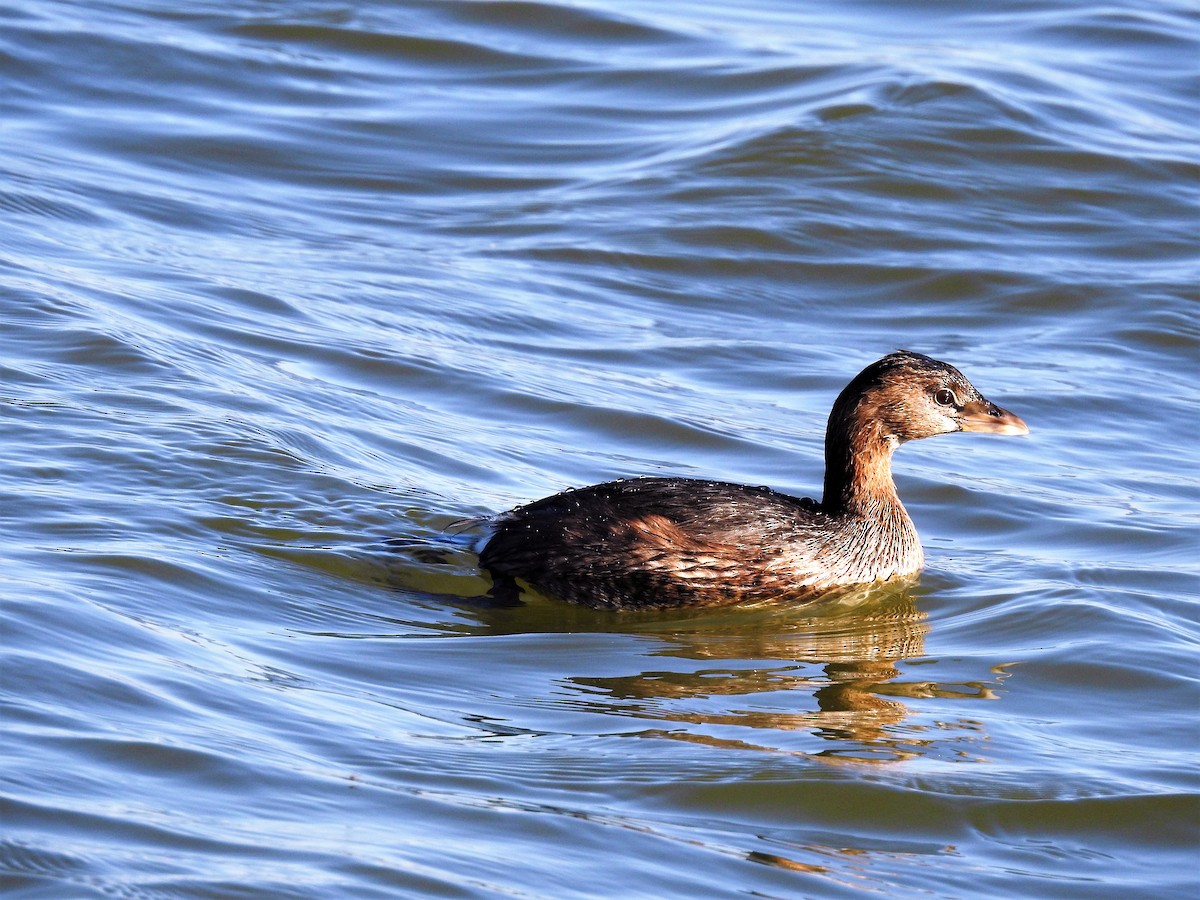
857 638
835 670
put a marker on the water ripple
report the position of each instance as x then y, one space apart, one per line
289 290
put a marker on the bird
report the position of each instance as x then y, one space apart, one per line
664 542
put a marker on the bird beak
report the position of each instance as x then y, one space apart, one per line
984 416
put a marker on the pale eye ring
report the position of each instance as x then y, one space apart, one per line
945 397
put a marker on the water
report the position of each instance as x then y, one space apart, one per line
283 282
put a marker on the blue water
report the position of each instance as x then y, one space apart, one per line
287 289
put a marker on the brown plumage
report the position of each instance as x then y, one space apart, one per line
661 542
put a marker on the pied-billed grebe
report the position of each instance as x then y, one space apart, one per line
661 542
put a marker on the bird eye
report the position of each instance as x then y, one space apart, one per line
946 397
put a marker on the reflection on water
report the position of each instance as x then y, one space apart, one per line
837 670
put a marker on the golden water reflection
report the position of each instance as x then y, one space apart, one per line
845 671
841 671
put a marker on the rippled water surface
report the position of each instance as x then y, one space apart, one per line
288 288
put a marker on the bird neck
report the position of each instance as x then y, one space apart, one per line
858 471
878 537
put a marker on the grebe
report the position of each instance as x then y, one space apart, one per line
667 542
